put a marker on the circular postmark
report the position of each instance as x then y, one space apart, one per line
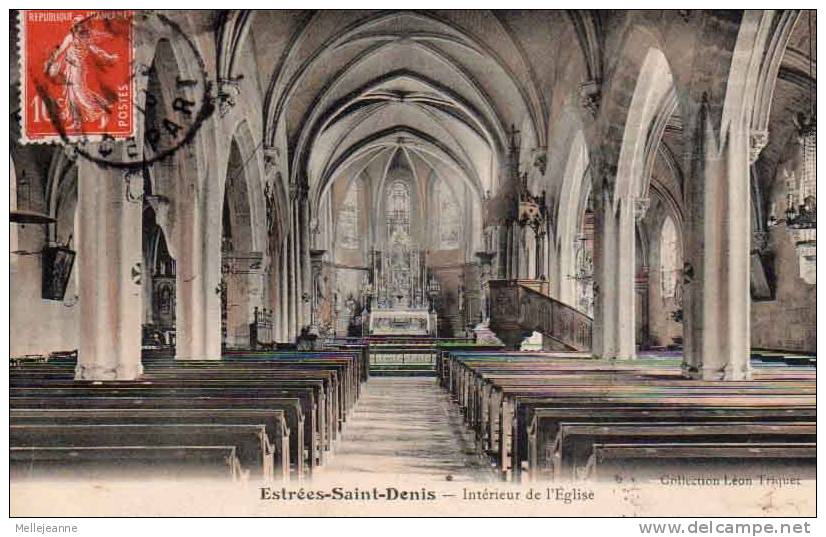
167 98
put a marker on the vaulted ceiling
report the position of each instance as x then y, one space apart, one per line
350 87
343 91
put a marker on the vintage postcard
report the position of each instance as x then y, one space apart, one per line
413 262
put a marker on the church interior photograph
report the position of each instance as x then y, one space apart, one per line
413 261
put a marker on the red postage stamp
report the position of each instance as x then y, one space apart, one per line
76 81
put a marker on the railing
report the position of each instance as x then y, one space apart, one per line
404 354
520 307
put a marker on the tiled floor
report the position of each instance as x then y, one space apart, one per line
407 426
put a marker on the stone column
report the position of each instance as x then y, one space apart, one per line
625 269
292 288
197 252
274 280
303 219
657 310
614 334
109 260
210 261
558 278
605 246
643 323
283 292
716 271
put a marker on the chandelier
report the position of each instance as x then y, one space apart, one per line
801 188
802 220
801 211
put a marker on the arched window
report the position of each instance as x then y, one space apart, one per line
348 218
397 210
585 276
450 217
584 261
669 258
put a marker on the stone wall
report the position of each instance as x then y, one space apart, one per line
39 326
789 322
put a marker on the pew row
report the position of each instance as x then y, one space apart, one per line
300 400
765 463
516 402
123 462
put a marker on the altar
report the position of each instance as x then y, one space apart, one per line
398 296
407 322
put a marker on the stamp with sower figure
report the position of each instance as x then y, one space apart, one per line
77 75
122 89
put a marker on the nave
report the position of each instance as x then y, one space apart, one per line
414 243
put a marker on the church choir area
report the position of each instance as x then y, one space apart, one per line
419 243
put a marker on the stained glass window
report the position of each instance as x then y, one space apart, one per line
348 218
450 217
397 210
669 258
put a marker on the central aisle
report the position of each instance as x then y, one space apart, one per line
407 426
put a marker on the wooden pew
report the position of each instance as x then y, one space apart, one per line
491 396
252 447
123 462
597 372
290 406
504 424
543 424
305 396
244 367
512 440
497 390
574 442
347 364
329 407
219 370
343 365
326 385
622 462
317 427
274 423
342 398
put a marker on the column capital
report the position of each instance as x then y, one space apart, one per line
641 206
228 90
133 180
758 139
271 157
590 95
298 191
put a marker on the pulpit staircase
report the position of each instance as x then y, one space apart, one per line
520 307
